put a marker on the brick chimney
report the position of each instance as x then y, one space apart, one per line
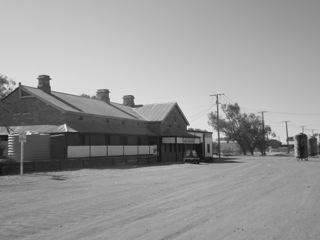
44 83
103 95
128 100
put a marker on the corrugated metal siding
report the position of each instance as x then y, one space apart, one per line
37 147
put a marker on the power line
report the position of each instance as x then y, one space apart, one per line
301 114
199 114
197 107
289 113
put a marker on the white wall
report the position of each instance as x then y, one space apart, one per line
101 151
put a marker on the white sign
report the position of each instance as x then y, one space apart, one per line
189 140
23 137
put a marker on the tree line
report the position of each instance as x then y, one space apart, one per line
247 130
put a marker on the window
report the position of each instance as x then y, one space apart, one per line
208 148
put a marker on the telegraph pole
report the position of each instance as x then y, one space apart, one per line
263 132
288 149
217 102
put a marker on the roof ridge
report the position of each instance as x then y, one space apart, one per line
26 88
65 102
140 114
123 110
159 103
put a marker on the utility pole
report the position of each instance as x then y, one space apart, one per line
263 132
302 129
217 102
288 149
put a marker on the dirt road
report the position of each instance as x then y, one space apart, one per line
243 198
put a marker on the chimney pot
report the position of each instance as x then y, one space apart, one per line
44 83
103 95
128 100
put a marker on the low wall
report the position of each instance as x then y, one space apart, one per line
13 168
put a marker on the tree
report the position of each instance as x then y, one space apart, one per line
88 96
6 87
245 129
262 143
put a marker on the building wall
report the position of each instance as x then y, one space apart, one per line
31 111
174 121
171 152
155 127
108 122
206 143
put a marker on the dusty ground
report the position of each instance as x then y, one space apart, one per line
244 198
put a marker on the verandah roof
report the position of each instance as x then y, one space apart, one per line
79 127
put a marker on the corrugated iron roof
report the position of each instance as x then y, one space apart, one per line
35 128
129 110
69 102
155 112
158 111
83 127
78 104
50 99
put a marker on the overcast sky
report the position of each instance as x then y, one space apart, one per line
264 55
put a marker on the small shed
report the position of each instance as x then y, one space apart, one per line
36 147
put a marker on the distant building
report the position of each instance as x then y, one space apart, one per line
82 127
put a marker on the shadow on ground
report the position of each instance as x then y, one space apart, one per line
226 160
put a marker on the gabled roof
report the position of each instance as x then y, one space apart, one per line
78 104
158 111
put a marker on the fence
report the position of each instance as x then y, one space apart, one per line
12 168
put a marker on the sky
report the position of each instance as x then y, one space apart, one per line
263 55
